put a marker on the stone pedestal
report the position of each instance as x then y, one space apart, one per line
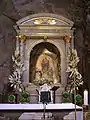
58 97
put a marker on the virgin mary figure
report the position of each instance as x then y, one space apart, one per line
46 68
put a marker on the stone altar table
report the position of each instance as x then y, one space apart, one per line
55 109
39 107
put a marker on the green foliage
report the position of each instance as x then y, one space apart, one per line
25 97
25 94
66 101
11 98
78 98
66 97
65 94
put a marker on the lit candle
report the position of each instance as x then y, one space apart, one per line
85 97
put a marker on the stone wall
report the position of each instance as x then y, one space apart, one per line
7 42
7 46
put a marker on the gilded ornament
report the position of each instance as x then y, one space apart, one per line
67 39
38 21
18 38
45 38
22 38
51 21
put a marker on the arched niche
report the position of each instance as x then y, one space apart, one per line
61 48
45 63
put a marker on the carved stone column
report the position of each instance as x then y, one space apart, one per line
67 40
22 47
17 43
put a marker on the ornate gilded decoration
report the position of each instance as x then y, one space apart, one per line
38 21
51 21
47 21
67 39
21 38
18 38
45 38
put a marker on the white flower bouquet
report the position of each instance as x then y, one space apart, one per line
16 76
72 68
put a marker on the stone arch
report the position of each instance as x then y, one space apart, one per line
61 50
30 47
37 53
28 19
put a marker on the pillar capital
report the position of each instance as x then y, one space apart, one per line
21 38
67 38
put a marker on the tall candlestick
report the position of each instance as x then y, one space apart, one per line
85 97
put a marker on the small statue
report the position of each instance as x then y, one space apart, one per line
45 64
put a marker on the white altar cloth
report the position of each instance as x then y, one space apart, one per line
39 107
71 116
30 108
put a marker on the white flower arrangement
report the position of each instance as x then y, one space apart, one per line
74 75
43 80
18 69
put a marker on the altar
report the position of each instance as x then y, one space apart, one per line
43 43
28 109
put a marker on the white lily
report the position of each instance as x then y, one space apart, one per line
15 77
15 86
73 60
11 85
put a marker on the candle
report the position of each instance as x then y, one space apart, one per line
85 97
